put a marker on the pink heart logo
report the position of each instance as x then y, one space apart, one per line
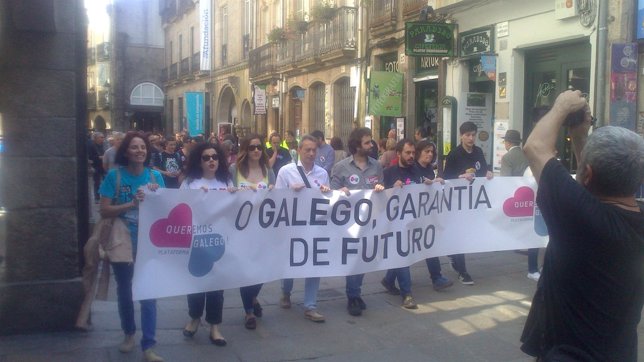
174 231
522 204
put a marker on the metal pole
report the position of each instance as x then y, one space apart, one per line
602 35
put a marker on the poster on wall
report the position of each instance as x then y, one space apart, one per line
477 108
259 99
195 112
500 127
623 85
385 93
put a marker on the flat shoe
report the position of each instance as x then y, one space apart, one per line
217 341
251 323
194 324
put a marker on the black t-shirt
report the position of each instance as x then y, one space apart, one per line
170 162
395 173
283 158
424 172
458 161
590 294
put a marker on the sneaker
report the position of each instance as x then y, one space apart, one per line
362 304
354 307
314 316
285 301
441 283
150 356
408 303
127 345
534 276
391 288
465 278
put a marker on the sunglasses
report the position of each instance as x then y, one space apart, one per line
206 158
255 147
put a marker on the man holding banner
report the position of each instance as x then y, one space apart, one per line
589 299
357 172
296 177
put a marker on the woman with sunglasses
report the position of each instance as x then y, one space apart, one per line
121 193
251 172
207 169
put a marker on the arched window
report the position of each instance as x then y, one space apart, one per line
146 94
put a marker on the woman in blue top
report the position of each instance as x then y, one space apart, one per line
131 156
207 170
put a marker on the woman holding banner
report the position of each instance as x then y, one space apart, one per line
207 169
121 193
251 172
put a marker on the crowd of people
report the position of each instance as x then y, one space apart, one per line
135 160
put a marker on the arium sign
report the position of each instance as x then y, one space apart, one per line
429 39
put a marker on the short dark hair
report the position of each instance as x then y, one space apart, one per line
318 134
467 127
421 145
193 167
336 143
423 132
121 154
401 144
355 139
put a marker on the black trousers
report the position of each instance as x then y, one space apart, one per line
212 301
458 263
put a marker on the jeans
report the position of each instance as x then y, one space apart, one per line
434 267
458 262
533 264
248 295
311 287
213 301
404 279
123 273
354 282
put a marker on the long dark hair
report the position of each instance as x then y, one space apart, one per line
193 167
121 154
242 158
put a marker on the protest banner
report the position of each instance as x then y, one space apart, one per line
192 241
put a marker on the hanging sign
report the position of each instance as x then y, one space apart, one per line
476 42
429 39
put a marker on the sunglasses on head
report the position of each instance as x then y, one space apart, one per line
255 147
207 158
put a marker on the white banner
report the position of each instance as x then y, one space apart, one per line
205 16
191 241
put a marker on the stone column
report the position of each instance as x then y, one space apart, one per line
44 165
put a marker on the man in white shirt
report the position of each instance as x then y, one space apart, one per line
298 176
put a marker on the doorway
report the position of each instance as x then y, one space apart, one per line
550 71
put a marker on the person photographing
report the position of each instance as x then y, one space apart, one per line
589 299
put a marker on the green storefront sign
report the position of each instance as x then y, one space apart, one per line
429 39
385 93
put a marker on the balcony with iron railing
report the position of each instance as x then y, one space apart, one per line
195 63
164 75
321 38
173 71
185 67
261 61
169 11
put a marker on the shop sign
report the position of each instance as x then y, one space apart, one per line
424 38
195 103
424 64
476 42
276 102
385 93
483 69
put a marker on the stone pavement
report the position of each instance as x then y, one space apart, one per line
482 322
